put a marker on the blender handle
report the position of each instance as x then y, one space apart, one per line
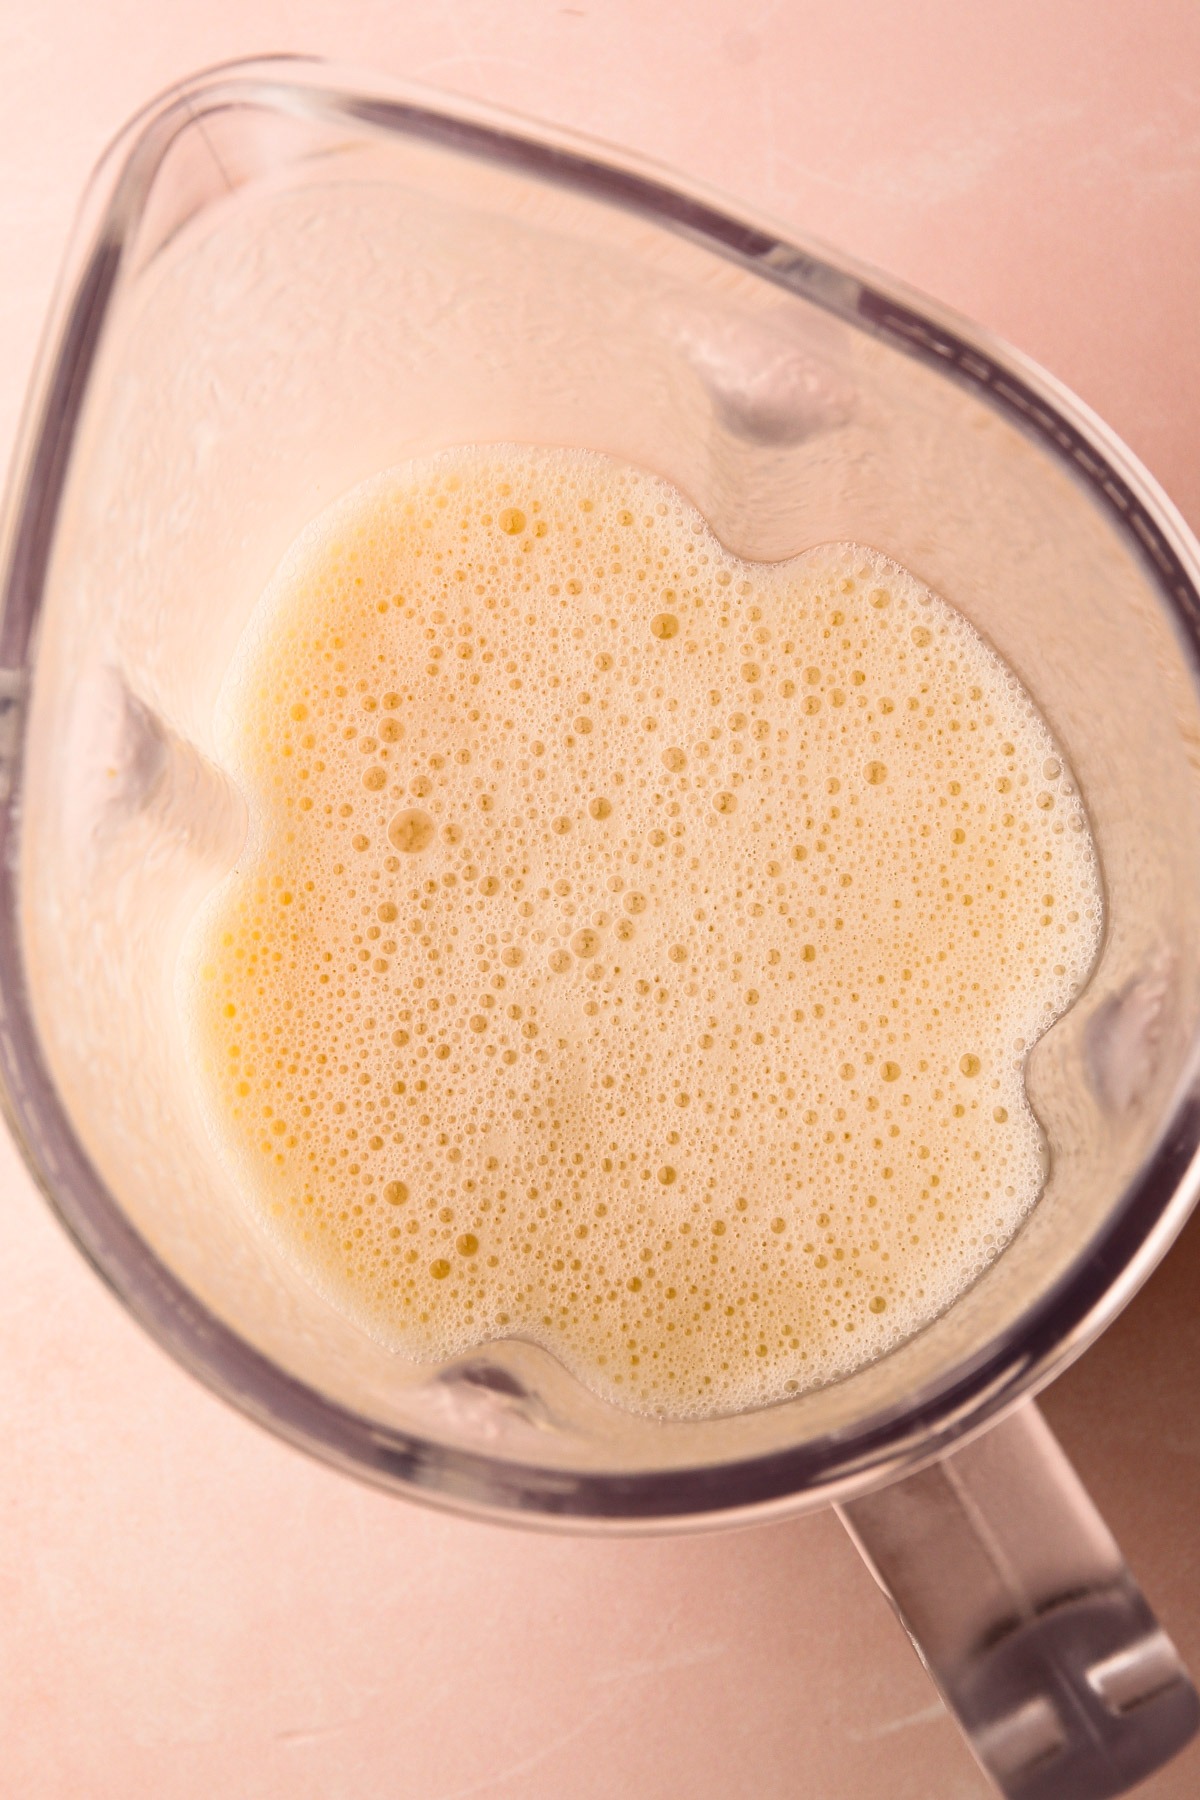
1020 1605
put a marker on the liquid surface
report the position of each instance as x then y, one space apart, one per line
636 950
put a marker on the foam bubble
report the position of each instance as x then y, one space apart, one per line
632 941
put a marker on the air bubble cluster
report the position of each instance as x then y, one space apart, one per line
637 949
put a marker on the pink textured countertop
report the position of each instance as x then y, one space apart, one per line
189 1609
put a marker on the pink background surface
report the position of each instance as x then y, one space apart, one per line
190 1609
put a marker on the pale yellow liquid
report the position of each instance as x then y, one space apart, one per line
636 950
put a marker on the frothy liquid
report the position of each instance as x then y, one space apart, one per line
637 949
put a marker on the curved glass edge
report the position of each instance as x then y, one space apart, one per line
1052 1333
